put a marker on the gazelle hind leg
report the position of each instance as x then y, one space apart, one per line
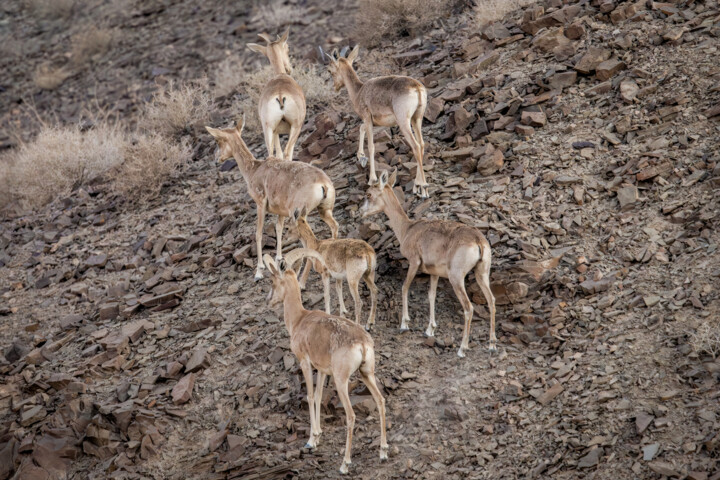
367 371
278 147
482 277
341 385
458 284
306 367
318 405
354 285
339 289
369 278
412 271
417 131
292 139
431 297
420 186
279 226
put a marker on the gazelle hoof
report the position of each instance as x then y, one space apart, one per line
368 327
344 468
309 446
493 348
278 258
383 454
363 160
258 276
461 353
430 332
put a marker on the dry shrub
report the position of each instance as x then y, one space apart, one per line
59 160
381 19
314 80
277 14
50 9
706 339
48 77
488 11
93 42
228 75
178 110
149 161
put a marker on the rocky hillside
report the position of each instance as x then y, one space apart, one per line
583 138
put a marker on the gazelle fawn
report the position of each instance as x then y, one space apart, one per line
440 248
384 101
277 187
333 345
348 259
282 102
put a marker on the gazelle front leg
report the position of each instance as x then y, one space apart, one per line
370 282
458 284
279 226
431 296
339 289
341 385
412 271
361 148
326 292
258 238
371 151
306 367
318 405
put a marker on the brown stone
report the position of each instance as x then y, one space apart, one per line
491 162
562 80
197 360
608 69
552 392
182 391
592 58
575 31
434 109
550 40
534 119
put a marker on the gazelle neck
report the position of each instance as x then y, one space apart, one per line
245 160
352 83
308 237
398 219
293 310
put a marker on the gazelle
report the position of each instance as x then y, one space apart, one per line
348 259
440 248
277 186
333 345
384 101
282 102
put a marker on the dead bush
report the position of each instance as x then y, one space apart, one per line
178 110
149 162
277 14
488 11
706 339
59 160
382 19
90 44
50 9
49 77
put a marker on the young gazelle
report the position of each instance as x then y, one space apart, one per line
277 187
348 259
440 248
333 345
282 102
385 101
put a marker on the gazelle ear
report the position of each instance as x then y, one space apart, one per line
257 48
270 264
285 35
265 37
393 178
214 132
383 179
282 265
353 55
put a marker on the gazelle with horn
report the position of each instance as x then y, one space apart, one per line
282 101
440 248
384 101
348 259
277 186
333 345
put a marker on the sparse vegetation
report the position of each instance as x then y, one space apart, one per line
90 43
706 339
178 109
50 9
49 77
60 159
383 19
228 75
149 161
487 11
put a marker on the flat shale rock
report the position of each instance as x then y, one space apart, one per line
592 58
182 391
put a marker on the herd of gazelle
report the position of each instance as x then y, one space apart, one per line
334 345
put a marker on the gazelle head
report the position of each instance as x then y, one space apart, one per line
375 197
276 51
338 66
282 273
223 138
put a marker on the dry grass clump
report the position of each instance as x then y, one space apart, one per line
90 43
382 19
277 14
488 11
59 160
50 9
178 110
49 77
149 161
706 339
